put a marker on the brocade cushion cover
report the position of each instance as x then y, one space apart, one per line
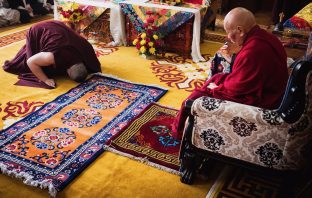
252 134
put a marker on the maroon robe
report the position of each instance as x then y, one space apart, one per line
200 2
67 46
258 78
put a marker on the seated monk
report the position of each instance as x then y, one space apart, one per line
258 75
52 48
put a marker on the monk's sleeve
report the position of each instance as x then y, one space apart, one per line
243 83
32 42
217 78
91 61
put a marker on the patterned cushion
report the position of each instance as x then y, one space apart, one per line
252 134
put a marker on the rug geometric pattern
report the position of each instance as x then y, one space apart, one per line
242 183
148 138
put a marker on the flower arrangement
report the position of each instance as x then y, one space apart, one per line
71 12
148 42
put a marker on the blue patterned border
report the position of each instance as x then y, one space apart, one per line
63 173
169 26
134 18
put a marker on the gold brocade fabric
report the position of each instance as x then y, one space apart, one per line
306 13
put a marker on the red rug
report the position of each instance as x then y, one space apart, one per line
148 138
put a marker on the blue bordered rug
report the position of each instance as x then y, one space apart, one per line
54 144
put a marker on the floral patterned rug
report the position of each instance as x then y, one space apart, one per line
148 138
52 145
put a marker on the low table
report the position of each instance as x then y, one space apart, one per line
103 20
180 25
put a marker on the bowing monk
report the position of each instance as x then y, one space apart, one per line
51 49
258 75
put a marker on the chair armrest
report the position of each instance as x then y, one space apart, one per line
227 110
249 133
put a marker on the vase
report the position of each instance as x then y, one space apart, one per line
149 57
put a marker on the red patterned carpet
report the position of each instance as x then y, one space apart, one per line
148 138
11 38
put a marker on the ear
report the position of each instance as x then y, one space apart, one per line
241 30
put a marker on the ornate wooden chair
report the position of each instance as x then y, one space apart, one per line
271 140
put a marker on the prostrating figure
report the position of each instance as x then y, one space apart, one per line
51 49
258 75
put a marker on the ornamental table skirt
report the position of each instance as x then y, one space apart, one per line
178 26
98 20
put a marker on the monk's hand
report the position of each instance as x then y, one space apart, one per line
212 85
50 82
230 48
226 53
225 50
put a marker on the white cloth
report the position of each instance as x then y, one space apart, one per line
195 53
117 22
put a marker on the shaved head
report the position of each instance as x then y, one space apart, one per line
77 72
237 23
239 17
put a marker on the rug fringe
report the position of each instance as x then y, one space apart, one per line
143 160
28 179
120 79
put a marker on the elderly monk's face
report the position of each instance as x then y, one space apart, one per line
235 34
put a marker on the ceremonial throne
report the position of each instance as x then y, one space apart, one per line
274 141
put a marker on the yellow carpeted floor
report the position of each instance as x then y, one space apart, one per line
110 175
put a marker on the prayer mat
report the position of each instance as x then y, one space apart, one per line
148 138
52 145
